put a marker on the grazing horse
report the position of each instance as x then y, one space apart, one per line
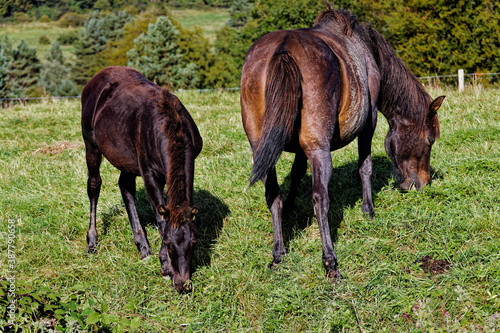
144 130
312 91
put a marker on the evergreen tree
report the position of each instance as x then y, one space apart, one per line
115 51
55 53
8 86
5 91
156 54
25 68
55 75
96 32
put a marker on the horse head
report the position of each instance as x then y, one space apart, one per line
410 149
179 237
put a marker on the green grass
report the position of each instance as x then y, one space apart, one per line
43 184
32 31
211 20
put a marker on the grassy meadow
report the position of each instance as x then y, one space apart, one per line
453 224
210 20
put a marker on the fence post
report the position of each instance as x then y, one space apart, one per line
460 80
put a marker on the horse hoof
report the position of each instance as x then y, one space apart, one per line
145 254
273 265
369 211
334 275
92 248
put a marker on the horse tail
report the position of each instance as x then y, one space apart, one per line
283 96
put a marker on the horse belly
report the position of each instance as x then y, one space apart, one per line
351 122
116 146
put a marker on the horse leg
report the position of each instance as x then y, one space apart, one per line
299 169
275 205
154 189
321 170
94 157
365 165
127 187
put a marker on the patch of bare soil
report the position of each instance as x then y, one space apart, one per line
438 266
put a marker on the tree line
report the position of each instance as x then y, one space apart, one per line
431 36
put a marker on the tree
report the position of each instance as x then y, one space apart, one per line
8 87
441 36
196 49
55 75
156 54
96 32
115 51
25 68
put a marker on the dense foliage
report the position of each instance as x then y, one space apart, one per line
156 54
433 37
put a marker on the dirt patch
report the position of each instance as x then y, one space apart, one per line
438 266
58 148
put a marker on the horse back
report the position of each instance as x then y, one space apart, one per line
335 91
121 118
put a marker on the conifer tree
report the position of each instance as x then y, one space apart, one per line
8 86
55 75
156 54
25 67
96 32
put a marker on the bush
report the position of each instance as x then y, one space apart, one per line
44 19
67 39
38 12
44 40
71 20
21 17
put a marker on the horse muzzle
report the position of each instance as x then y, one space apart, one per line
182 283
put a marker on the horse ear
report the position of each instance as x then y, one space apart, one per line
435 105
194 211
164 212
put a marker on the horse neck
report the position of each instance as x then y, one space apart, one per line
401 93
176 151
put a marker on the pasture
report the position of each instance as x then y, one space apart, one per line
429 261
210 20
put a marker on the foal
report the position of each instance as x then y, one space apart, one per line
144 130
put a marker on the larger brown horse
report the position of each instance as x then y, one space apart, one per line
312 91
144 130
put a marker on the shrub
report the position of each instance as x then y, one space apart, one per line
43 40
67 39
44 19
71 20
21 17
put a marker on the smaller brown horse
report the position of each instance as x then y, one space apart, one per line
312 91
144 130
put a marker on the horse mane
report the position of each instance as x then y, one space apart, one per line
401 92
341 20
176 174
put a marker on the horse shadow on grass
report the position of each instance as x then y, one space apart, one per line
209 221
344 191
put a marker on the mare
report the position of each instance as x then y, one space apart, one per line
144 130
312 91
